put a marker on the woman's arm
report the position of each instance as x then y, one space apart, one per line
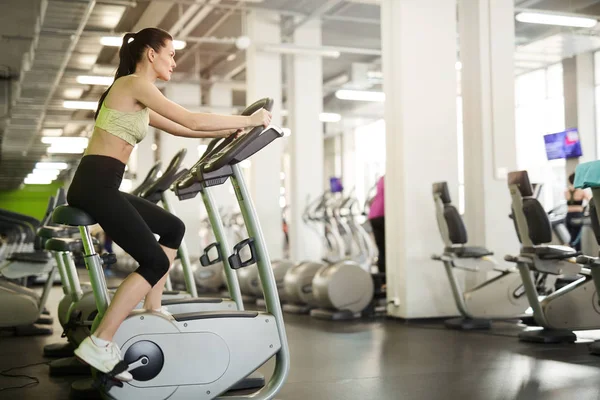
149 95
164 124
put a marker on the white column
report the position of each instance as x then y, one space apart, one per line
580 110
487 54
306 143
221 95
264 79
419 55
190 211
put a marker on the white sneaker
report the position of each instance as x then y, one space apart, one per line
164 311
103 359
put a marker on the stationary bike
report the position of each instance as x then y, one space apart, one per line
208 344
568 308
501 297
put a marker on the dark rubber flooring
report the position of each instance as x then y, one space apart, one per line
379 359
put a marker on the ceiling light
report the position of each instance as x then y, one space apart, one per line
75 141
37 181
52 131
360 95
556 19
179 44
72 93
117 41
51 165
95 80
298 50
113 41
44 173
56 149
330 117
80 105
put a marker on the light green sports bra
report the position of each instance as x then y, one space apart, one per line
129 126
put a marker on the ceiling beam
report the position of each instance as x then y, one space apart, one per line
194 49
316 14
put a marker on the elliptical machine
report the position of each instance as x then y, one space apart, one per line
501 297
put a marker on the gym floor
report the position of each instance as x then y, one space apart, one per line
378 359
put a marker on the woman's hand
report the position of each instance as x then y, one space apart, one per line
224 133
261 117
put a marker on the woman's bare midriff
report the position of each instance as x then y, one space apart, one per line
103 143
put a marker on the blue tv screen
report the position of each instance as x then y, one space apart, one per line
563 144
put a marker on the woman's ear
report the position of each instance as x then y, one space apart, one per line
151 54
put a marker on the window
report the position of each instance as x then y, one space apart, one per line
597 94
461 156
370 156
540 111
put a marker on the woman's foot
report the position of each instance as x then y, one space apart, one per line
164 311
104 358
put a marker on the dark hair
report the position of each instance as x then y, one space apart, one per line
572 178
132 51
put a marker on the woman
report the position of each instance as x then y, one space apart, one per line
377 220
124 112
575 199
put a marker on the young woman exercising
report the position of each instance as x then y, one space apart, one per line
124 112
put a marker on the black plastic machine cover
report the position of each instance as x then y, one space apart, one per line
220 155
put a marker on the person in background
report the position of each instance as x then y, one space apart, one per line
575 205
377 220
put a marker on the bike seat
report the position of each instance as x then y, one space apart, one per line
41 257
48 232
469 251
555 252
67 215
66 244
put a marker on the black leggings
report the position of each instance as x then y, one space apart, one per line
378 225
574 229
129 221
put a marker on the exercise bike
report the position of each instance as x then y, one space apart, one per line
208 344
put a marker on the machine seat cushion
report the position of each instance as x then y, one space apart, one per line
67 215
214 314
66 244
41 257
555 252
470 251
49 232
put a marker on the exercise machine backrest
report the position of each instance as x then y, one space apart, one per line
531 220
451 225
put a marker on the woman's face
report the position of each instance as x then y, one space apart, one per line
164 61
